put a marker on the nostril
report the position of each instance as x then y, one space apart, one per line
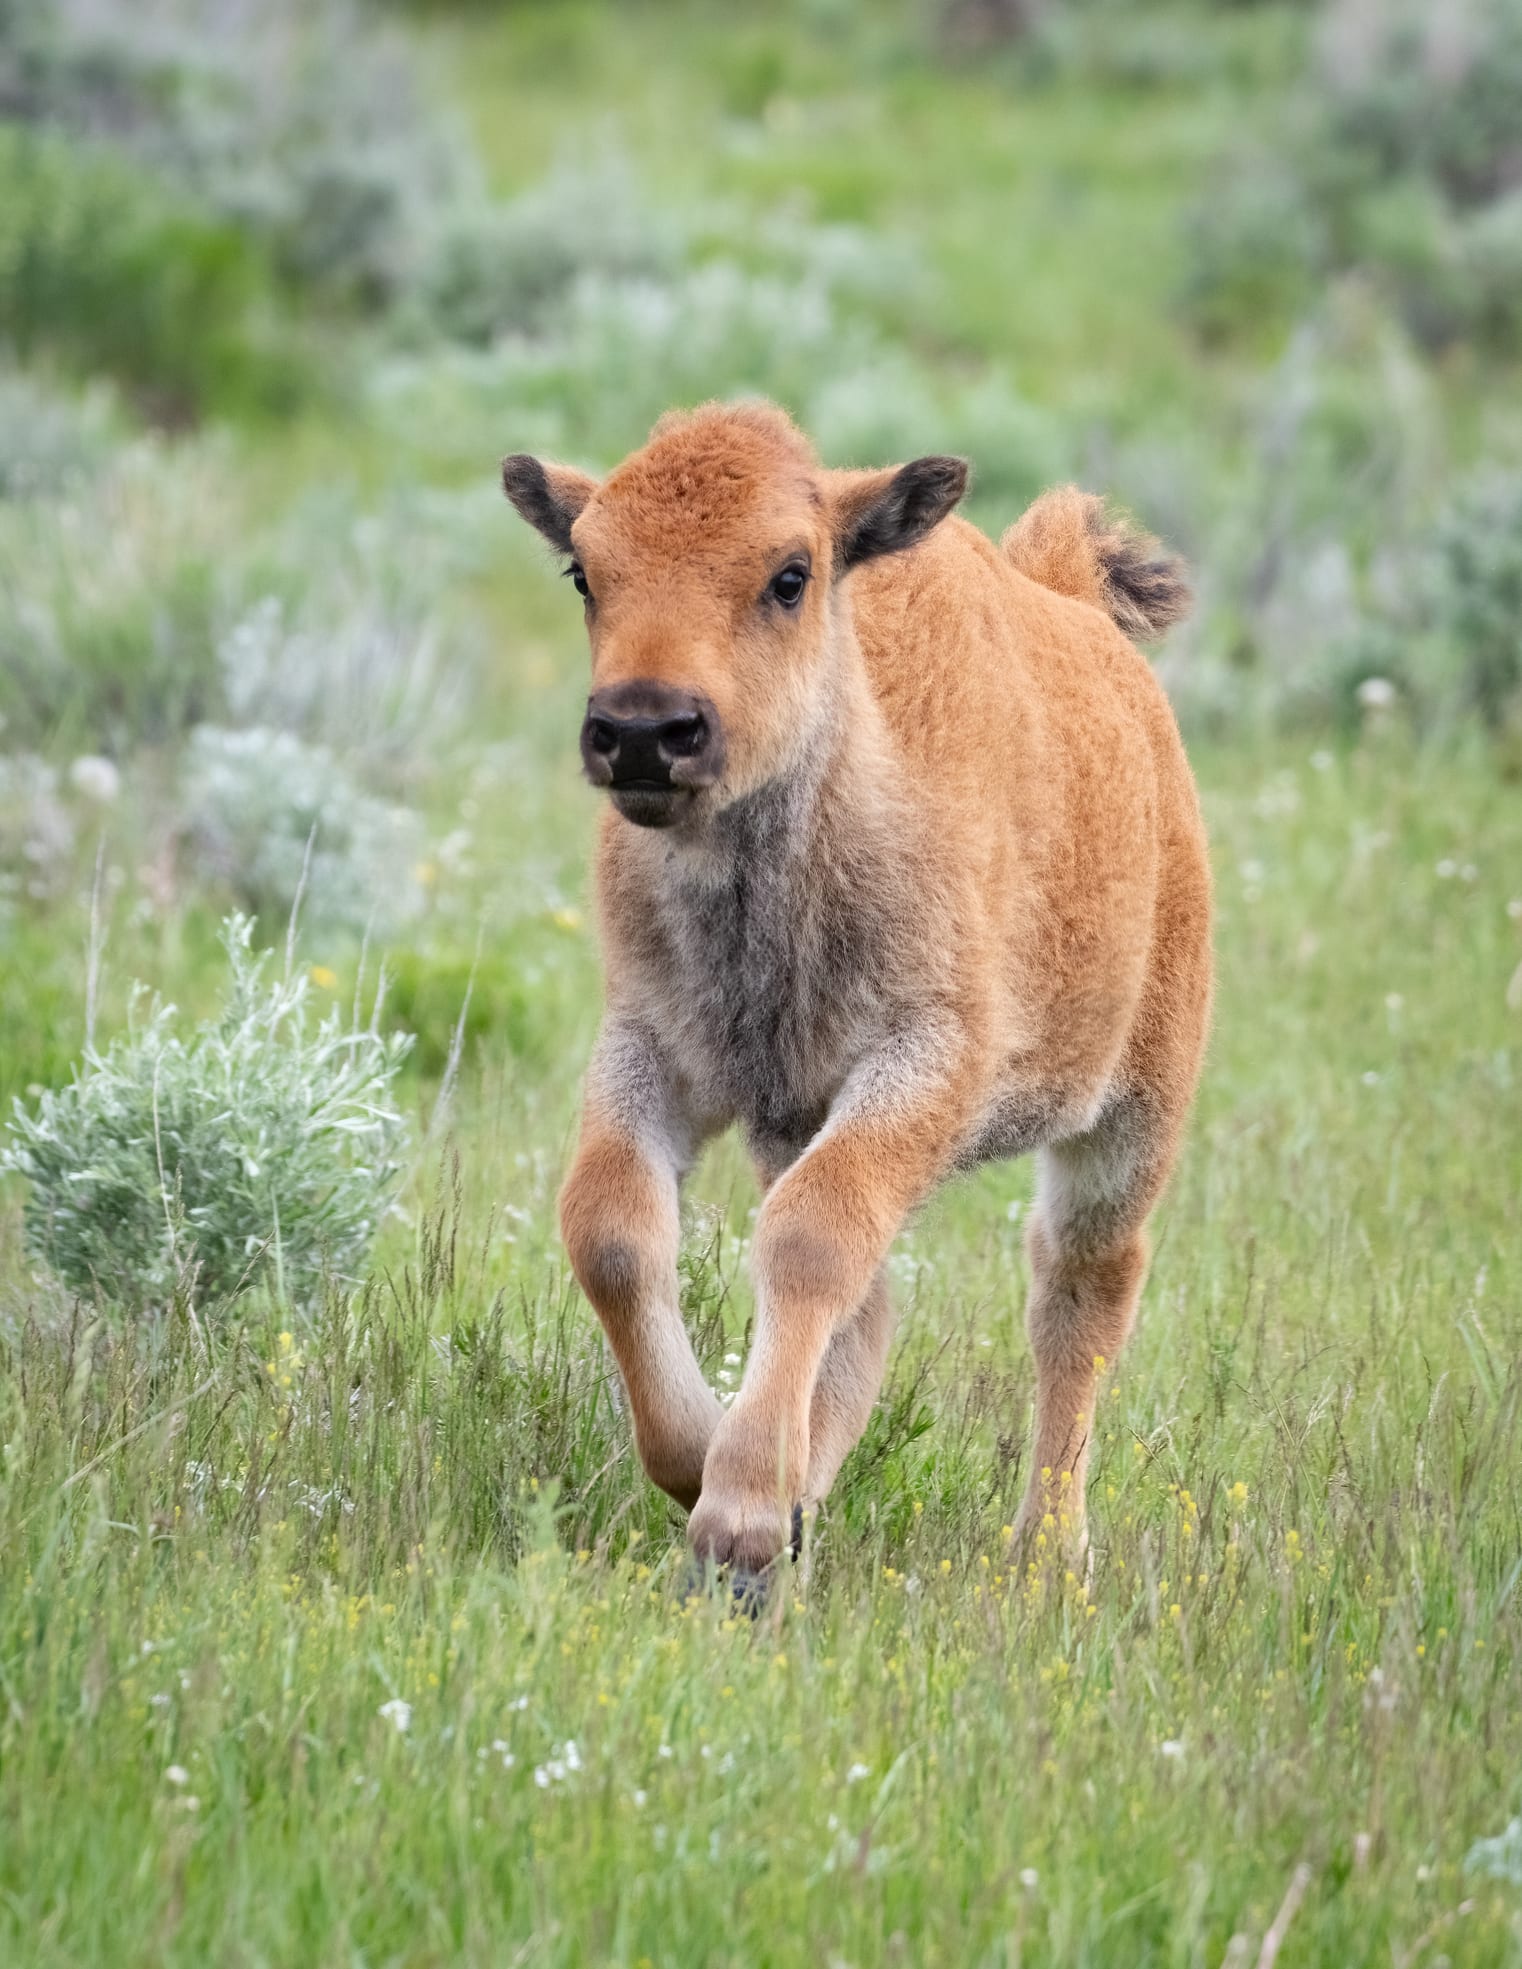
602 736
684 738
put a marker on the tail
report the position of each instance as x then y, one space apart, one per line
1069 542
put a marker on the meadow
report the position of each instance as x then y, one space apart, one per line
337 1622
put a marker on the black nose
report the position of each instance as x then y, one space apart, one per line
649 736
642 751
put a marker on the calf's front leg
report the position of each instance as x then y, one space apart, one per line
821 1236
619 1219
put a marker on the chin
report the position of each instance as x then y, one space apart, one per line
647 807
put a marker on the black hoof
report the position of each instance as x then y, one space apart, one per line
692 1581
750 1591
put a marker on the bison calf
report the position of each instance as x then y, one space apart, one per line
903 871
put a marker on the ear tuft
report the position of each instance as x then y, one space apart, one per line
550 497
886 512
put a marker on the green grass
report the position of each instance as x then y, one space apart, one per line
225 1551
226 1548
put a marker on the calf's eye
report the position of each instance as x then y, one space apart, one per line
578 580
788 586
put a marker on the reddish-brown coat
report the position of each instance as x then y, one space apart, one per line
946 900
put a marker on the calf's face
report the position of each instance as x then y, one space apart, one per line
708 565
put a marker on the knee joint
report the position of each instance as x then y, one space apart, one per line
612 1254
803 1262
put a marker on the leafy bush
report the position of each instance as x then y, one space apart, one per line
110 598
134 605
1450 628
295 124
1402 159
351 637
109 270
1333 485
506 268
50 441
253 801
1432 90
621 351
258 1148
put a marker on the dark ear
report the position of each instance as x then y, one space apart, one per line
884 512
548 496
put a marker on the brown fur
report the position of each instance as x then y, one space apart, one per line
1068 541
942 898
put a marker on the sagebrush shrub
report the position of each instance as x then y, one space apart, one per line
1450 627
1435 90
498 269
257 1148
50 441
111 269
1400 158
110 594
37 830
298 124
253 800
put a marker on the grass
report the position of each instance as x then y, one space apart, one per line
357 1640
228 1550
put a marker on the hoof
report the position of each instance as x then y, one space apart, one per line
750 1591
692 1581
750 1587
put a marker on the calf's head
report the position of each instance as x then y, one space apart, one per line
708 565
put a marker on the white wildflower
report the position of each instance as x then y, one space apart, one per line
398 1712
177 1774
96 778
857 1772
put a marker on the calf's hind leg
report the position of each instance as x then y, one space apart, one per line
1088 1257
846 1388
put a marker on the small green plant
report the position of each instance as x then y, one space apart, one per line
256 1149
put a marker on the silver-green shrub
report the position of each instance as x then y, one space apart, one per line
257 1148
301 122
1400 160
265 814
500 268
50 441
1449 627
